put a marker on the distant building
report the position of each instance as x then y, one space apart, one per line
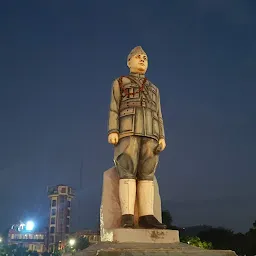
60 209
30 239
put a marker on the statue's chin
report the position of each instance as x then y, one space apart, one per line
140 71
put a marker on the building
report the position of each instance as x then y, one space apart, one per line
60 208
22 235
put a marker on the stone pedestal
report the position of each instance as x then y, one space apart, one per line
124 235
148 249
110 211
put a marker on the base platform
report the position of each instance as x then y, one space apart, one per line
148 249
126 235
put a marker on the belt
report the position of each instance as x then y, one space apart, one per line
135 104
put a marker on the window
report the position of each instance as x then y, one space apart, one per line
53 212
40 236
52 229
69 203
67 221
68 212
63 190
52 220
67 229
54 203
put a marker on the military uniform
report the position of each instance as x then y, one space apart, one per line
135 115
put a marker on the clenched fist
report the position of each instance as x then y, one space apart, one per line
113 138
162 144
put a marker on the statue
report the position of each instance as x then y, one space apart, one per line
136 130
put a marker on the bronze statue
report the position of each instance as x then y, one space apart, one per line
136 130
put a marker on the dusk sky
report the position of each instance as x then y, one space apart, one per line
58 61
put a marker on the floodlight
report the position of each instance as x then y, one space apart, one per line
30 225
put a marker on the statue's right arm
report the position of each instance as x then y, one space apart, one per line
113 122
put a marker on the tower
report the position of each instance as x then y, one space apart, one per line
60 207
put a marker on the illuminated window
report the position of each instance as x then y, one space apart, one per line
41 237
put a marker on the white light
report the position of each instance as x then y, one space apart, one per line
72 242
1 240
30 225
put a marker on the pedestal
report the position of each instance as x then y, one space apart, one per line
148 249
124 235
110 210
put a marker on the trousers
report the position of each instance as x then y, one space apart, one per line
135 158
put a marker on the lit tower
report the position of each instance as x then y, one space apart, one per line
60 207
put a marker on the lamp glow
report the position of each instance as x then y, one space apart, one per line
72 242
30 225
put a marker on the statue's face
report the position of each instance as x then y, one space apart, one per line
138 64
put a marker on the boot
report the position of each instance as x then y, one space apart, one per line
145 190
127 196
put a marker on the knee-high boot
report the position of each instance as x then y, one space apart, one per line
127 196
145 191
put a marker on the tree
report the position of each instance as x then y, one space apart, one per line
82 243
250 240
195 241
167 218
220 238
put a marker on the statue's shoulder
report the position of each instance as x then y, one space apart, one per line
121 80
152 85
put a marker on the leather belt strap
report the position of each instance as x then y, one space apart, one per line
133 104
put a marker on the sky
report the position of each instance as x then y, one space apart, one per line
58 60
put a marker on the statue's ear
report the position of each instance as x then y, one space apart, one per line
128 63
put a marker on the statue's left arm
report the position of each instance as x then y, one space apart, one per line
160 118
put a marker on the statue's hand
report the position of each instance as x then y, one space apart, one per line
162 144
113 138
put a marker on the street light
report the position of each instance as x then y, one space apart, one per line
72 242
1 239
